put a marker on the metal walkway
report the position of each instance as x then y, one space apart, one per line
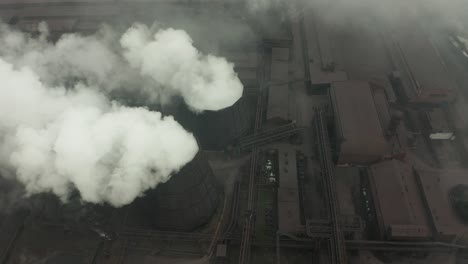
267 136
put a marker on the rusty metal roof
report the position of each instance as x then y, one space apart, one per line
437 203
397 199
278 90
359 132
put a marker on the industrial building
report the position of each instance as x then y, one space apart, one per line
426 79
319 161
323 62
442 219
278 88
399 209
409 203
359 135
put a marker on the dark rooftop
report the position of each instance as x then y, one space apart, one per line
358 128
399 206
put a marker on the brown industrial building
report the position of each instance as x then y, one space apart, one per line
359 134
399 209
278 88
409 204
309 203
442 218
425 77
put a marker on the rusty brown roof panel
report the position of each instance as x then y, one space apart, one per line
359 132
397 196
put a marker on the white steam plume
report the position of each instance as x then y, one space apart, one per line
57 140
170 59
60 133
155 67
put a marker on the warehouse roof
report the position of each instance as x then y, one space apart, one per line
359 130
324 64
278 90
422 58
399 207
278 102
437 203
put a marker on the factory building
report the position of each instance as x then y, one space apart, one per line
409 203
324 66
278 89
424 76
188 200
399 210
359 136
442 218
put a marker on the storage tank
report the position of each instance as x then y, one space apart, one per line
187 201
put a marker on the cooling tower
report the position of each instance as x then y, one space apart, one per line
187 200
217 129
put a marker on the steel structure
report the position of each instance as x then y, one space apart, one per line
249 221
288 242
267 136
337 243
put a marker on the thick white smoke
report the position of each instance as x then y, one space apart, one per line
56 140
59 132
205 82
155 68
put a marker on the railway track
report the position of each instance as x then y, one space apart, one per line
247 231
249 221
338 250
372 245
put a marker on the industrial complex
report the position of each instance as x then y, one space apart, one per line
344 147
